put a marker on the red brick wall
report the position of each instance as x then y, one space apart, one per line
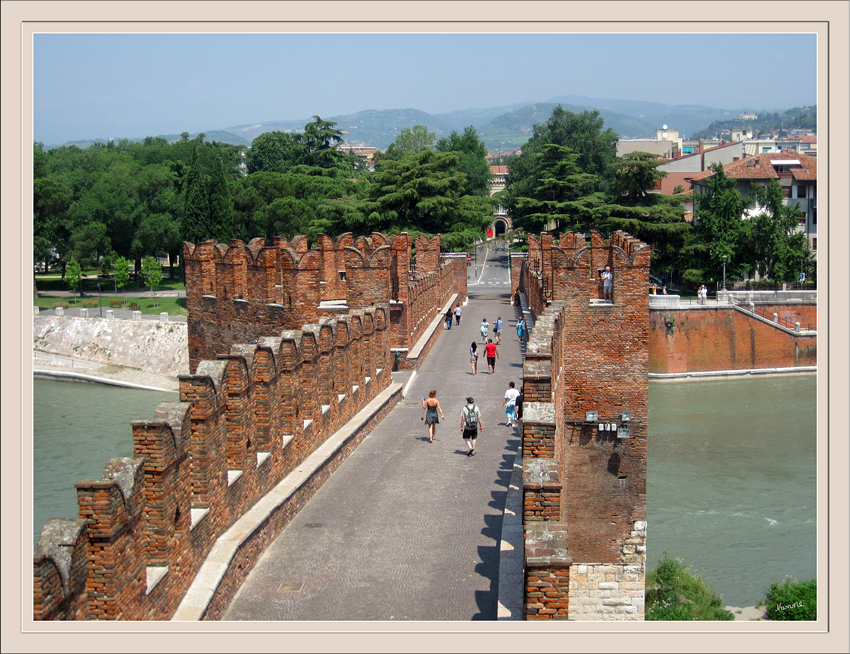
598 361
724 338
139 515
273 377
547 592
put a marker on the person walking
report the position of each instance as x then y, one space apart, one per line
509 403
473 357
519 402
458 311
497 330
484 329
470 423
448 318
492 353
432 407
520 329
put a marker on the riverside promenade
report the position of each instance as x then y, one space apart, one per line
406 529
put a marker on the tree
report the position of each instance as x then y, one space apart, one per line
152 274
472 161
221 208
272 152
654 218
74 275
719 213
410 139
778 249
122 273
420 193
583 134
88 243
317 146
556 197
196 205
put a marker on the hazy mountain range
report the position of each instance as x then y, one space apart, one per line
502 128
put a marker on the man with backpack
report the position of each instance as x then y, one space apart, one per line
470 422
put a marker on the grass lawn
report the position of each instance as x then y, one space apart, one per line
173 306
52 281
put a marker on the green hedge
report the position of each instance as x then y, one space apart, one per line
793 600
674 592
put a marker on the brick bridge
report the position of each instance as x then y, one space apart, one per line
293 352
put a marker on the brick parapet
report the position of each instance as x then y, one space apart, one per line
547 571
206 459
589 355
275 372
239 292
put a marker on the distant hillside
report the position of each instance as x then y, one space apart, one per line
507 127
798 118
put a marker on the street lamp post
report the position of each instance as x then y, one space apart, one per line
99 302
725 257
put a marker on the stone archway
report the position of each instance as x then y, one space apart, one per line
501 224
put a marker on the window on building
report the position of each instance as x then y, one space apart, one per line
815 244
814 216
786 191
801 192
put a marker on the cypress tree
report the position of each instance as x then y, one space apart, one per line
196 209
220 206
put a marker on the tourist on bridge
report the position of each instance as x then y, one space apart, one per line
492 353
520 329
484 329
448 318
432 406
458 311
473 357
509 403
608 284
519 402
470 423
497 330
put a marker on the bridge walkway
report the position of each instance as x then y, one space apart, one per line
406 529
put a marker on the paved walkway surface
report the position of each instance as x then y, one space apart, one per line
406 529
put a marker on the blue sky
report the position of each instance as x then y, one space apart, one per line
131 85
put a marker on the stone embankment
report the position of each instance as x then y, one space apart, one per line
125 352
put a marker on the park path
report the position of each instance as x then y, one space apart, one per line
406 529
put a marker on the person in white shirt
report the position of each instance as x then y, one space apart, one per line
509 403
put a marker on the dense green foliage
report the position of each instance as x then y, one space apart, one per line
792 600
126 201
673 592
423 192
568 179
472 159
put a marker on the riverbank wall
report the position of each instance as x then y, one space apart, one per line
721 337
147 345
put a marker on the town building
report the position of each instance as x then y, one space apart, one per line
796 173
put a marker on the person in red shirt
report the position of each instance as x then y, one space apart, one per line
492 353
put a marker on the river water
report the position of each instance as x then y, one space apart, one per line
77 428
731 483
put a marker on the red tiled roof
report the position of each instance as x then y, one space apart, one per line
809 138
495 170
759 167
